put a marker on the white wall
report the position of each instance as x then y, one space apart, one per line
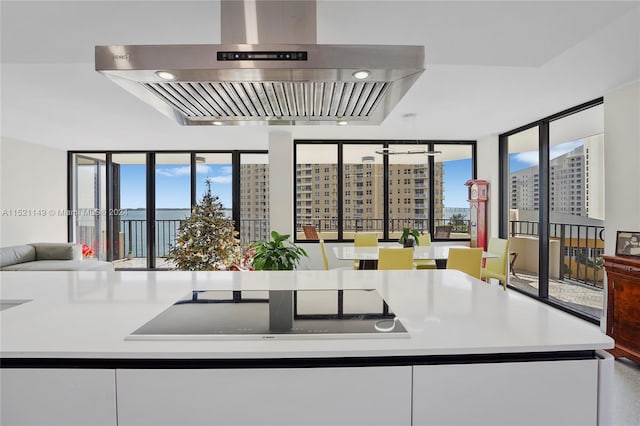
622 162
33 180
488 169
281 182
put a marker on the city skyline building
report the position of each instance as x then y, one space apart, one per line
363 196
576 183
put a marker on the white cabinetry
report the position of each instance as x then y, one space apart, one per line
51 397
526 393
288 396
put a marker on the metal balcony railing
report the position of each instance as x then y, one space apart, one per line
581 249
135 235
377 225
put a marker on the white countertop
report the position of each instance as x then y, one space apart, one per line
89 314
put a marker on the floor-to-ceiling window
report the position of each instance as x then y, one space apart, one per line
453 168
128 194
254 198
552 208
343 187
576 210
362 189
88 194
172 201
524 206
317 191
138 200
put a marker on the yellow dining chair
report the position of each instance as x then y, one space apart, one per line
325 259
467 260
497 267
425 240
395 258
364 239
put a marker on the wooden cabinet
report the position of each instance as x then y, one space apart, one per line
623 305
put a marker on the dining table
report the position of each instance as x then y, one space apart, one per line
367 257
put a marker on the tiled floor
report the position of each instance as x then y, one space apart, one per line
626 393
584 298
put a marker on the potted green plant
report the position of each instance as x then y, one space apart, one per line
409 237
276 255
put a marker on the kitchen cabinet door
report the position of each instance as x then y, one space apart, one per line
65 397
506 394
288 396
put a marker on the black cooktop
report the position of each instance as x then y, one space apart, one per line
220 314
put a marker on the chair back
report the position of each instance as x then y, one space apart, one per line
497 267
467 260
325 258
443 232
365 239
425 240
395 258
310 232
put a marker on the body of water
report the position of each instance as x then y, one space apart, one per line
133 227
450 211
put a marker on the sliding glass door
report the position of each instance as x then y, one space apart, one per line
129 224
172 201
524 208
552 208
576 211
88 215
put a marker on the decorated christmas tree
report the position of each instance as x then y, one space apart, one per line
207 240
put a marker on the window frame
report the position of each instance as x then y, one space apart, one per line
387 178
236 157
544 208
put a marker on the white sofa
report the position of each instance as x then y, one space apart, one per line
49 257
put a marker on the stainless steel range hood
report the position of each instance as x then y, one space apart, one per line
273 83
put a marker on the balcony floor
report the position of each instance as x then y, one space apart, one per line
576 296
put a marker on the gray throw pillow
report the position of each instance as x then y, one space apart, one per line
55 251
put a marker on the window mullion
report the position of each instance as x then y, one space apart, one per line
385 198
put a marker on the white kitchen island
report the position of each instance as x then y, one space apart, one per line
474 355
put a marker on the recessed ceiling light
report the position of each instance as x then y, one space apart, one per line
217 123
342 123
165 75
361 75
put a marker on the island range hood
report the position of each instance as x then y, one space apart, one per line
255 77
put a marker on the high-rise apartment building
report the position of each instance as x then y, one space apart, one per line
254 202
363 197
576 182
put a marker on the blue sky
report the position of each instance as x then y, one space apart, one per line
456 173
172 184
523 160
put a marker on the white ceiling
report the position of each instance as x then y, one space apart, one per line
491 67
